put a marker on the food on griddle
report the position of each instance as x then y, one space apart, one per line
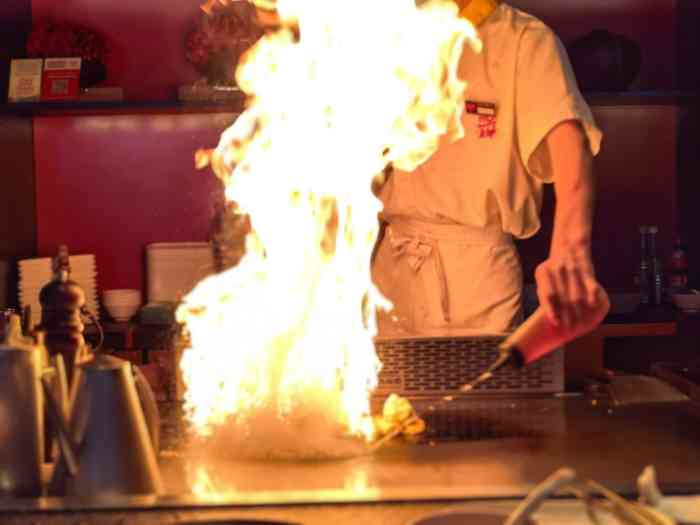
398 418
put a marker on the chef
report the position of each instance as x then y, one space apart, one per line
446 257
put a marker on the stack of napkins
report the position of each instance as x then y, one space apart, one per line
34 274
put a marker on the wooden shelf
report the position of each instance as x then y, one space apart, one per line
584 357
67 109
638 329
642 98
62 109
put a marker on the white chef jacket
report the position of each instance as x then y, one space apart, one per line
447 258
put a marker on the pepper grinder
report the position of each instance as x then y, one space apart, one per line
62 301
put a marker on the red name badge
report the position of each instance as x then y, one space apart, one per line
486 123
480 108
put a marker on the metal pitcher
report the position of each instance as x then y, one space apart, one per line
106 448
23 367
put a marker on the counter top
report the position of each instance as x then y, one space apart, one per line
552 512
484 449
477 449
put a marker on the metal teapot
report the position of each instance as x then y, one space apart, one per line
23 368
63 308
105 448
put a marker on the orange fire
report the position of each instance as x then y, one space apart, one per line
282 355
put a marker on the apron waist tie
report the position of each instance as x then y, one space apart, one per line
417 241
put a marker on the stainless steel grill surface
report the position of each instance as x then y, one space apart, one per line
489 417
439 366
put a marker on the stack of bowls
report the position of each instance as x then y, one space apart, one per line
121 305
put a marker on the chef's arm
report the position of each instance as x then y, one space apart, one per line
566 280
574 187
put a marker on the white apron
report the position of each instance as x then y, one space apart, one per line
444 276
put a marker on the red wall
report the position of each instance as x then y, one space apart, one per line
111 184
148 35
147 38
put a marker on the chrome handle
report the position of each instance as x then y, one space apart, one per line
57 418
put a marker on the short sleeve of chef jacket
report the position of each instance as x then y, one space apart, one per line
546 94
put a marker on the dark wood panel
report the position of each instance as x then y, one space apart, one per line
687 52
17 200
689 186
642 98
650 23
688 44
636 174
636 184
15 25
72 109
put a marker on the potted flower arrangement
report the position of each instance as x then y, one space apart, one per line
54 38
217 41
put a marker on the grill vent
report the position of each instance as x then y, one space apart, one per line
440 366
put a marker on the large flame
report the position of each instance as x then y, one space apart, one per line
282 345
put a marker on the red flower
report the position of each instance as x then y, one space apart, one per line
50 38
227 31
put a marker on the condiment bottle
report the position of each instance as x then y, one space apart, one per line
656 282
643 274
677 267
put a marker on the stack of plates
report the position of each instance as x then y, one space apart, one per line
174 268
34 274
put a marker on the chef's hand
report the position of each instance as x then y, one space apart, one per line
566 285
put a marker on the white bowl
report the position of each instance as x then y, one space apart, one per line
687 301
121 295
121 312
121 304
122 291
